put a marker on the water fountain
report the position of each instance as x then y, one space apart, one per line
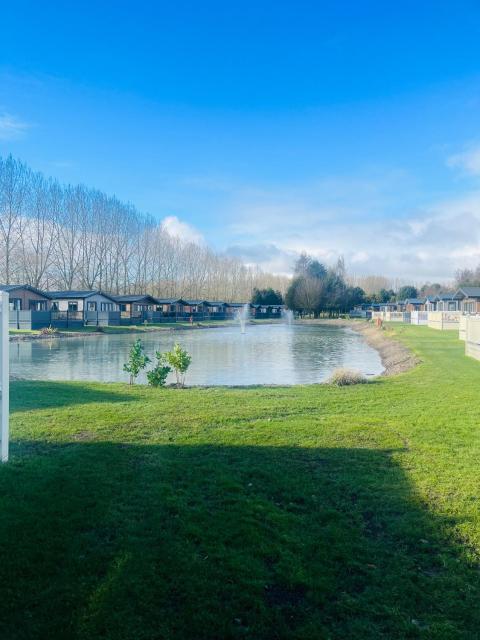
242 316
287 315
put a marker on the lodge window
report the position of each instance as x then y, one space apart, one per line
15 304
106 306
37 305
73 306
91 306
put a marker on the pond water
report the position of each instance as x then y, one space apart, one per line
265 354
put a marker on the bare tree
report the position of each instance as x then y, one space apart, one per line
13 192
57 236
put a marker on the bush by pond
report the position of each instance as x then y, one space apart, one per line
343 377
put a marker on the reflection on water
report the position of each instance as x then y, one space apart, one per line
268 354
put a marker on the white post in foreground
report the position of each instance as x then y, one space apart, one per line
4 376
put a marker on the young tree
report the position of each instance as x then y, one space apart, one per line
137 360
158 375
179 359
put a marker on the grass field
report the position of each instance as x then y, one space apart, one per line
304 512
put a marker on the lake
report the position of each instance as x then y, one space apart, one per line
265 354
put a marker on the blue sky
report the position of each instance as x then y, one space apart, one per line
262 128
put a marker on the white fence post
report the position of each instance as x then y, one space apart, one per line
4 376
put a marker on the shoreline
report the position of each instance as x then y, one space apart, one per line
396 357
60 335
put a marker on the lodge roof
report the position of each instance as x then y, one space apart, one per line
467 292
135 298
28 287
170 301
79 294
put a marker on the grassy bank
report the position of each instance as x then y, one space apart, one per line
308 512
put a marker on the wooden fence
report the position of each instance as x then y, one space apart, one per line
419 317
444 320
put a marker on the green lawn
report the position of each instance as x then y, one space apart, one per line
303 512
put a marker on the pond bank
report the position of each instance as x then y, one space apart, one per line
21 337
396 357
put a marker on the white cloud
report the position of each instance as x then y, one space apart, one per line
377 234
468 160
11 127
268 256
182 230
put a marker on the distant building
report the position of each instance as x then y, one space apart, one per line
446 302
468 299
78 303
413 304
136 305
24 297
171 307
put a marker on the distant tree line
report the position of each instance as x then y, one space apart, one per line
56 236
316 289
468 277
389 295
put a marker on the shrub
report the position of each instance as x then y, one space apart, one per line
343 377
158 375
137 360
48 331
179 359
